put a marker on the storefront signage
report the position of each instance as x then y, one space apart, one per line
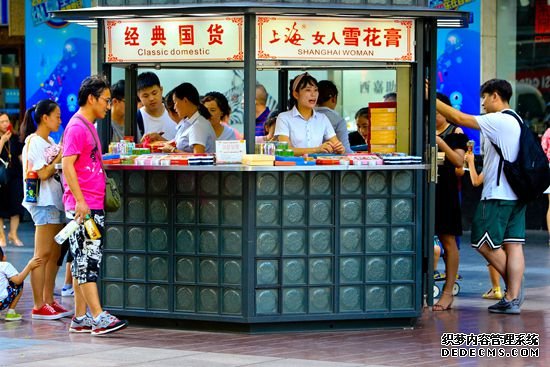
174 39
41 9
539 78
315 38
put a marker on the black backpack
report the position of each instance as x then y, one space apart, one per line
529 175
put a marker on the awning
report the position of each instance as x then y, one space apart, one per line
90 16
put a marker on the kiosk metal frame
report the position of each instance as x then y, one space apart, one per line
157 200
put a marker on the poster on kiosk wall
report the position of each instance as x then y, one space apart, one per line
458 62
57 56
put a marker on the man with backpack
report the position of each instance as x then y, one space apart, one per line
498 226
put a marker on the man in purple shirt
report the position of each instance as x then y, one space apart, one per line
262 111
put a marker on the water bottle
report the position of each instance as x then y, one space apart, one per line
470 150
32 185
66 232
91 228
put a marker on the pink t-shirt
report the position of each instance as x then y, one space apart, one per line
79 141
545 141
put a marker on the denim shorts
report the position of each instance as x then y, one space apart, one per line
42 215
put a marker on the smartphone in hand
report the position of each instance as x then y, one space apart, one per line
10 128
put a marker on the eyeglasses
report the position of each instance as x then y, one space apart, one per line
107 100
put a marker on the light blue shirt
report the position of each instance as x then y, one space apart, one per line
182 136
339 125
227 134
304 133
201 132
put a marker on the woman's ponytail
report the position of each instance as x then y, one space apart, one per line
28 125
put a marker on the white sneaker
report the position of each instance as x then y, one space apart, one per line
106 323
67 292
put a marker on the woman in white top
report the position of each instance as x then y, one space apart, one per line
200 134
180 143
218 106
305 130
41 154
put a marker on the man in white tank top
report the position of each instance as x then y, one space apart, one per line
156 121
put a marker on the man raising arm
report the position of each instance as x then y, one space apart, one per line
498 226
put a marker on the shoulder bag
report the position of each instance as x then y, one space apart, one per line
112 194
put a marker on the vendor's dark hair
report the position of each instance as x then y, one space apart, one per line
117 90
169 101
93 85
297 84
500 86
147 79
220 100
188 90
327 90
390 95
362 112
33 117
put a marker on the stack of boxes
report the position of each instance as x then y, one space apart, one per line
383 124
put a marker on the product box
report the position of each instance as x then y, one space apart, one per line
383 119
383 136
230 151
258 160
383 148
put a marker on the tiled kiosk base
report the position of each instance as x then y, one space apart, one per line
265 247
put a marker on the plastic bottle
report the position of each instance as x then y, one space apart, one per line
470 146
66 232
91 228
31 191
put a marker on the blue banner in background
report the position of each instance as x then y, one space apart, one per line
458 61
57 56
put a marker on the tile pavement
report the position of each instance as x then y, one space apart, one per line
47 343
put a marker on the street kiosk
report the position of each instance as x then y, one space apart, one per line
271 247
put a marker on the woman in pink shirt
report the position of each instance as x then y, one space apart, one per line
545 142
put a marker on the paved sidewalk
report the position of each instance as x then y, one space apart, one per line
47 343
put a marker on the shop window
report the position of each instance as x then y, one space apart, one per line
9 83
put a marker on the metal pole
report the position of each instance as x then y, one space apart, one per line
249 81
130 97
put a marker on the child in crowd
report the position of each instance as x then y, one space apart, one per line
269 127
41 155
477 179
11 285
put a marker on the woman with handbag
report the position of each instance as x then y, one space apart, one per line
41 154
11 181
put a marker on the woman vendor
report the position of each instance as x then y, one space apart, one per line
305 130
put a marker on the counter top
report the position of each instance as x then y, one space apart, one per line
243 168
